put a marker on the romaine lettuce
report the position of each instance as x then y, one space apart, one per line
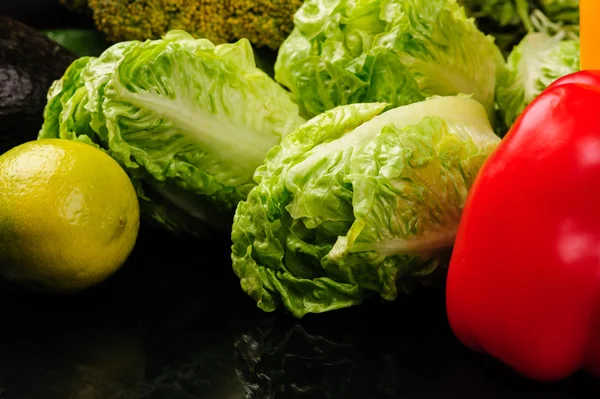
188 120
532 66
398 52
358 202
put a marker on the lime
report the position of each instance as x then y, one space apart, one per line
69 215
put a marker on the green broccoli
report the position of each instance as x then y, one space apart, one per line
265 23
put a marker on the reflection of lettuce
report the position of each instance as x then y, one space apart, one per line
399 52
274 362
359 354
189 119
402 352
353 204
532 66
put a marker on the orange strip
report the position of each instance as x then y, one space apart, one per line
590 34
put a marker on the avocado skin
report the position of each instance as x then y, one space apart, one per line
29 64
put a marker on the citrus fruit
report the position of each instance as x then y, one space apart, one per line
69 215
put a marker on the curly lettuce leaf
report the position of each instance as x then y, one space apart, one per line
399 52
532 66
358 202
60 96
188 120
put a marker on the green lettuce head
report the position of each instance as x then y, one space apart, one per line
358 202
532 66
188 120
394 51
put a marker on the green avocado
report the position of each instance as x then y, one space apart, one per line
29 63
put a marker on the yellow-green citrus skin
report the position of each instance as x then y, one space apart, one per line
69 215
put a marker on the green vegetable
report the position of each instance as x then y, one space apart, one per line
188 120
565 12
353 204
83 42
532 66
506 20
510 20
265 23
399 52
504 13
29 63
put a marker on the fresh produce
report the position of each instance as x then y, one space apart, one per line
29 64
188 120
509 21
83 42
566 12
69 216
263 22
399 52
545 36
532 66
524 279
357 202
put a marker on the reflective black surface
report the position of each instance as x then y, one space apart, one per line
173 324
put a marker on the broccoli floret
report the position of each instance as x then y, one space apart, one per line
263 22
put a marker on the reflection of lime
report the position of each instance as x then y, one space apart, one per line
69 215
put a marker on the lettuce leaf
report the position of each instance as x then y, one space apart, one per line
359 202
532 66
188 120
399 52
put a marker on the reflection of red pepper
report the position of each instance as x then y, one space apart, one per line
524 279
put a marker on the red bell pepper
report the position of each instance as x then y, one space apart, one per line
524 279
